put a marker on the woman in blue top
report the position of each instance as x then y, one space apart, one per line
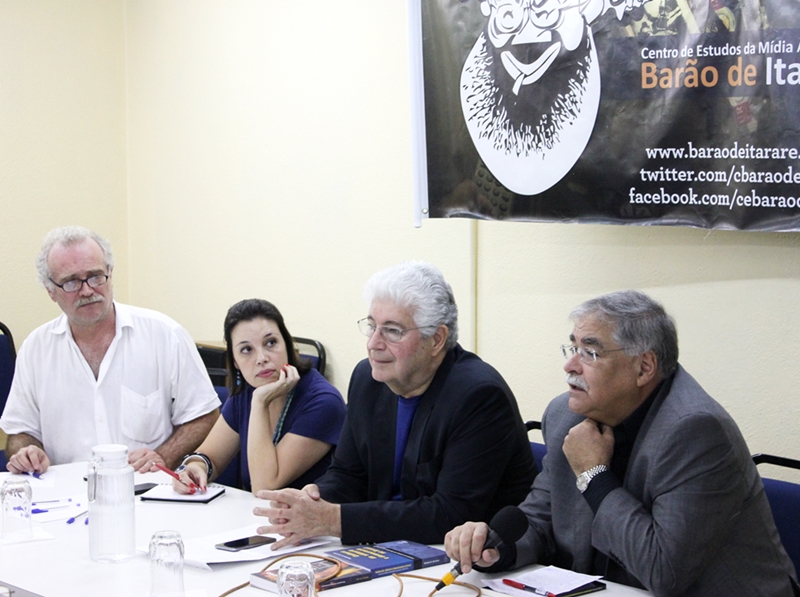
283 420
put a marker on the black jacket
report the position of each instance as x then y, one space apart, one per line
467 456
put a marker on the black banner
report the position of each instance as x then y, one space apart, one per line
669 112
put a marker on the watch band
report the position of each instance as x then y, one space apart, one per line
583 480
204 458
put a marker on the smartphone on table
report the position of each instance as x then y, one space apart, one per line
245 543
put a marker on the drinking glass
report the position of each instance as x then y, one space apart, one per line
166 564
295 579
16 497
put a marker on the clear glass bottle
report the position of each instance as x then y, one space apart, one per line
111 504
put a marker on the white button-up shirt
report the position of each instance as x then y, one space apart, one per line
151 379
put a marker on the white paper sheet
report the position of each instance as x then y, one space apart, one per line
164 492
200 551
551 579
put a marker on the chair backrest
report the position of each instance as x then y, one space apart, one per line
539 450
784 500
312 350
8 357
214 360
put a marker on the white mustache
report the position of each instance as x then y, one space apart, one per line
525 74
95 298
576 381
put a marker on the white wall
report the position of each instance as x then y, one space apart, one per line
62 139
269 154
245 148
733 295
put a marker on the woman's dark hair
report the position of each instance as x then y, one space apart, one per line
248 310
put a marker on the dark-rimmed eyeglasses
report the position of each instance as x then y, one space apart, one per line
76 284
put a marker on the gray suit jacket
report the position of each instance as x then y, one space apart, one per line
691 519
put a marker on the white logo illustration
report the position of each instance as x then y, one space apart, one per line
530 88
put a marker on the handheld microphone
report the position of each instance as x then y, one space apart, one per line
507 526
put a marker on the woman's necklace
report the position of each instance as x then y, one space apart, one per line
277 435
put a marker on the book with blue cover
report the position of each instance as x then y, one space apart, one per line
391 557
422 555
379 561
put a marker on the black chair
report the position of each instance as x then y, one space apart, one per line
214 358
313 351
8 357
784 500
539 450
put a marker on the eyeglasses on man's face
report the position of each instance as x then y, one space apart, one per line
76 284
586 355
389 333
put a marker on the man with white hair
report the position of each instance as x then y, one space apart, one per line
432 438
102 372
647 480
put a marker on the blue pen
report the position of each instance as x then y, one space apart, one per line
51 501
77 516
34 474
43 510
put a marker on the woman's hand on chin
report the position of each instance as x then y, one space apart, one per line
279 388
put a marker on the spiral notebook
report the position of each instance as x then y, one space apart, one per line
163 492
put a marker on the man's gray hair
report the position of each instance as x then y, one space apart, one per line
421 287
68 235
639 325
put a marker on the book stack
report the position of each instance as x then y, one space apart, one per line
363 562
348 575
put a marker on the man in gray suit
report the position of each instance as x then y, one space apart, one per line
647 480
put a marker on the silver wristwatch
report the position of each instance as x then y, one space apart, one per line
583 479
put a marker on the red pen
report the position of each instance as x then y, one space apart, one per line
175 475
522 587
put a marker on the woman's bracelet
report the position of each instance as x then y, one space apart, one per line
204 458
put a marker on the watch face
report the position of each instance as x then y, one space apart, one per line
582 481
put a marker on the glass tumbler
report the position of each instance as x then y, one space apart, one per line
16 497
295 579
166 564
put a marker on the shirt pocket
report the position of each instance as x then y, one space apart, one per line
142 416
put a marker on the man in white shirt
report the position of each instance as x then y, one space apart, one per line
102 372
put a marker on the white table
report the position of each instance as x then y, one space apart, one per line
62 568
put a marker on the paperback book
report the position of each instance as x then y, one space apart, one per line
422 555
391 557
348 575
379 561
363 562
